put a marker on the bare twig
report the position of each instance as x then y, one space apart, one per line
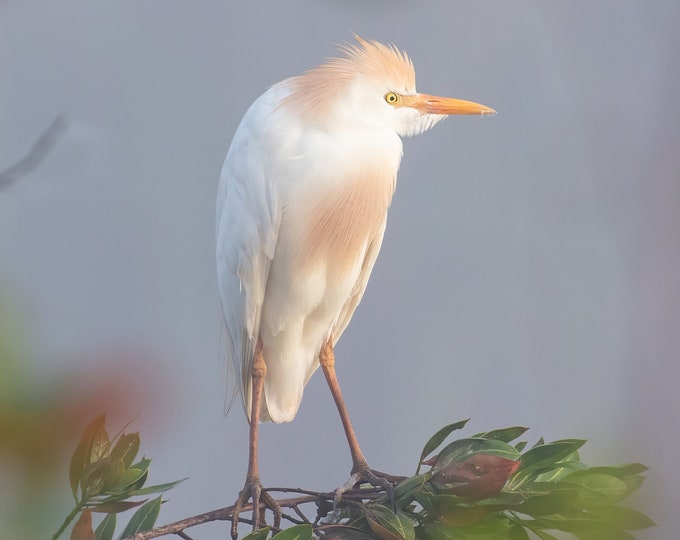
36 154
224 514
299 512
294 520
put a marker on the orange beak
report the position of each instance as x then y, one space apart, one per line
427 104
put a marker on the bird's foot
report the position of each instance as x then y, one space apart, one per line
362 474
253 490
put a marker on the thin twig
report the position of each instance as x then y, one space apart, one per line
353 494
299 512
295 520
41 147
322 494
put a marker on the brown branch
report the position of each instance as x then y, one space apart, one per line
41 147
300 514
224 514
294 520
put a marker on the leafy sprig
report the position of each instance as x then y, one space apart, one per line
104 475
484 487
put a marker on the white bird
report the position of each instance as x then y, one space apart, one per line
301 211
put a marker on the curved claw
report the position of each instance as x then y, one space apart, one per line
253 490
366 476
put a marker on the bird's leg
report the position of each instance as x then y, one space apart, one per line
360 469
253 486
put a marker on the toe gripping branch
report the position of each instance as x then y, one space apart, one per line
261 501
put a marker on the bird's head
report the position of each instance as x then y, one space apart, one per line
372 86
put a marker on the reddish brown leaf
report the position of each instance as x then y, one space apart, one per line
479 477
82 530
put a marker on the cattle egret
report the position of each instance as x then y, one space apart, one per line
301 211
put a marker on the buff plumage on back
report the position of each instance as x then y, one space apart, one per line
314 91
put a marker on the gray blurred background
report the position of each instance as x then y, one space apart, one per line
530 273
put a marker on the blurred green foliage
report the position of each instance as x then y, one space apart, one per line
34 434
105 476
41 415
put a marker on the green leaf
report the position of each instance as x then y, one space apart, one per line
550 503
385 523
438 531
93 478
605 533
106 528
487 530
550 453
260 534
346 532
629 469
503 499
520 446
405 489
82 455
625 518
542 488
543 458
562 470
572 525
134 476
495 530
130 478
424 498
492 529
604 487
298 532
126 448
517 532
159 488
454 512
505 435
531 525
100 444
633 482
112 474
115 507
443 504
544 535
437 439
143 465
144 518
407 525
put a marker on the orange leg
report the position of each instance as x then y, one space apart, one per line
360 470
327 361
253 486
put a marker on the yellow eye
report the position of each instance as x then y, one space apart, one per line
391 98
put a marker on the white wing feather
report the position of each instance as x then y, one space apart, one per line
248 220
